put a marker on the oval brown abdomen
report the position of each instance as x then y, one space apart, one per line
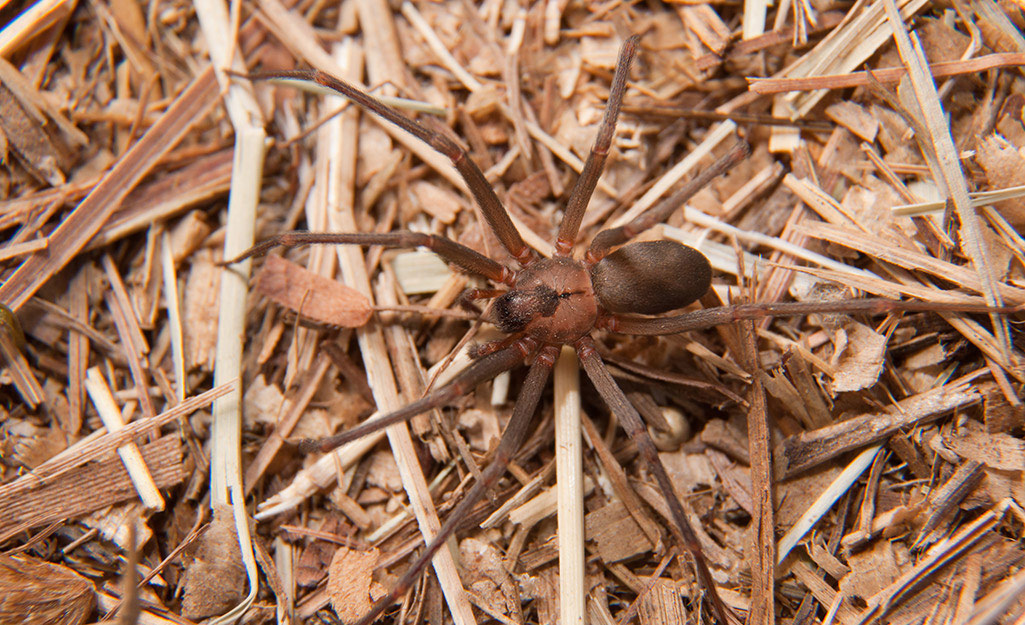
651 277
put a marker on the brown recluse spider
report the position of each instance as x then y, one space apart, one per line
550 302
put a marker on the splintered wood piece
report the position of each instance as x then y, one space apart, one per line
90 487
17 365
199 310
823 592
35 592
1000 414
812 400
200 181
763 561
827 561
947 497
884 74
661 605
310 295
808 449
706 25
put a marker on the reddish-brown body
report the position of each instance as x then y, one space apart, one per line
553 301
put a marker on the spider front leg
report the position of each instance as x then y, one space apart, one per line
456 253
584 188
620 406
491 207
512 438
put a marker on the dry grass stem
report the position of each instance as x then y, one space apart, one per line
99 392
569 479
825 501
886 75
226 488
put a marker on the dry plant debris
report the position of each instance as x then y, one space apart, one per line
889 144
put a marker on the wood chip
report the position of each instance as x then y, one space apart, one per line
312 296
88 488
349 583
874 569
661 605
854 118
616 534
858 361
996 450
439 203
215 581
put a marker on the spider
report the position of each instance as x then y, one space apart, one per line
546 303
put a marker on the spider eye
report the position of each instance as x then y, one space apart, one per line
651 277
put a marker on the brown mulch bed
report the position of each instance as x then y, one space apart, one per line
841 468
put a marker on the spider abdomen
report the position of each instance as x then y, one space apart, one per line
651 277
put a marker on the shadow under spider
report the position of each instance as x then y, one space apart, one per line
550 302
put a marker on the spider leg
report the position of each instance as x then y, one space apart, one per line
709 317
512 438
631 421
468 298
455 253
483 193
605 240
480 371
481 350
576 206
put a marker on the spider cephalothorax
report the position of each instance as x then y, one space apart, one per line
553 301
